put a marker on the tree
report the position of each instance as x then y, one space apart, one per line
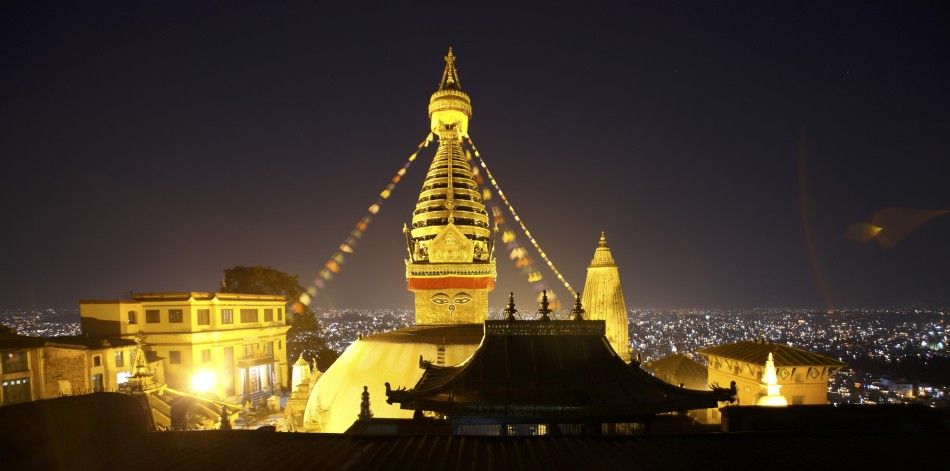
305 334
260 280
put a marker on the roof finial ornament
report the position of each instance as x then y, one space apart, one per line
578 310
603 239
365 413
225 422
545 310
510 309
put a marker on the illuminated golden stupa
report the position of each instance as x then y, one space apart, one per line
450 267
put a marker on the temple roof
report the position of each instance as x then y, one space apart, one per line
679 369
756 351
547 370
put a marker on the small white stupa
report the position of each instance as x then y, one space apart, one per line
770 382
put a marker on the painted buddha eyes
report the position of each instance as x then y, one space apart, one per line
442 298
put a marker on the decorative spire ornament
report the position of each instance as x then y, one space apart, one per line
545 306
510 309
770 382
578 310
450 76
365 413
225 419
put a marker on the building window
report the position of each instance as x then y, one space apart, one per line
227 316
151 316
798 400
96 360
269 348
248 315
268 315
119 358
204 316
14 361
98 385
174 357
280 344
175 316
206 356
280 313
133 319
16 391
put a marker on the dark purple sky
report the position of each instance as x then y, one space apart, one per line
146 147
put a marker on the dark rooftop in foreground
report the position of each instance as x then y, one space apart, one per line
108 431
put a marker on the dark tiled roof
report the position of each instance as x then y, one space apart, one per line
678 369
285 451
72 432
92 342
757 351
23 341
434 334
558 370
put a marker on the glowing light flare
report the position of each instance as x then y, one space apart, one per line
891 225
203 381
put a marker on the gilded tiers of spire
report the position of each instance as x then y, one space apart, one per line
450 194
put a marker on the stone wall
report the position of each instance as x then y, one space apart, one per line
64 364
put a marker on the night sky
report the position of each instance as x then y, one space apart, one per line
146 147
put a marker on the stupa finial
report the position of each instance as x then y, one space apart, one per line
603 239
450 76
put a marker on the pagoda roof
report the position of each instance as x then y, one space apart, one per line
757 351
557 370
679 368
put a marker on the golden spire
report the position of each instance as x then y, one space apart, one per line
603 298
450 76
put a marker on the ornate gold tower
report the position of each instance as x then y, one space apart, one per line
450 268
603 298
